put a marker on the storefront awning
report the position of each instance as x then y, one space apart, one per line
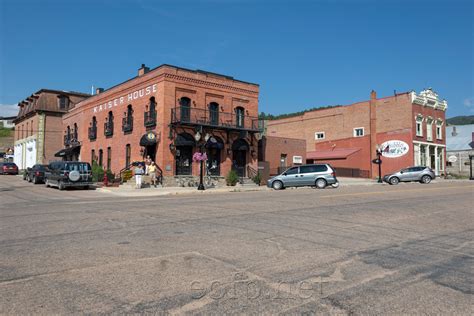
341 153
240 144
67 151
215 142
184 139
148 139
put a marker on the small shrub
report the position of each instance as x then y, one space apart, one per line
97 172
232 178
257 179
110 175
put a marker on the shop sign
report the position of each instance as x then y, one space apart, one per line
126 98
452 159
394 148
297 159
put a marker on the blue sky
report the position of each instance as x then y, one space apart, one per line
302 53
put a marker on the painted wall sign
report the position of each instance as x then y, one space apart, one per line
394 148
126 99
452 158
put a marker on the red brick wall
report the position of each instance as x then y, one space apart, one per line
276 146
172 84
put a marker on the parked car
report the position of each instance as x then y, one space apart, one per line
318 175
64 174
8 168
36 173
420 174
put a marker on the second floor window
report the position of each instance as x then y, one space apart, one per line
214 113
127 123
63 102
239 116
109 125
185 104
358 132
429 129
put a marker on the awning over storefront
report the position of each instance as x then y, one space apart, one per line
148 139
215 142
240 144
341 153
184 139
68 151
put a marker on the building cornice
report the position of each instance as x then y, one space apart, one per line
429 98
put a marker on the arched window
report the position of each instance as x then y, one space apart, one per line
128 153
239 116
152 107
109 124
27 130
129 110
101 157
68 132
75 132
93 129
94 122
214 113
185 104
109 158
127 121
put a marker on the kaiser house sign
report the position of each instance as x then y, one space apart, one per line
394 148
151 89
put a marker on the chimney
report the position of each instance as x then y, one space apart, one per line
373 95
143 70
99 90
454 133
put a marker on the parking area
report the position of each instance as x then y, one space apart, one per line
356 249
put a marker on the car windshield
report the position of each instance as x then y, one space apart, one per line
81 167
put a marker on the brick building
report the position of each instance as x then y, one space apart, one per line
280 153
38 125
168 113
408 128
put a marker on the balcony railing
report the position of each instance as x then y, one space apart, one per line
92 132
127 124
109 128
222 120
67 140
150 118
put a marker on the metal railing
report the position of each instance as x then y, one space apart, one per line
150 118
205 117
92 132
109 128
127 124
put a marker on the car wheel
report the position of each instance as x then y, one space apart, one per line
60 186
321 183
425 179
277 185
394 181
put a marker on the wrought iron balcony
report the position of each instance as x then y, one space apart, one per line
92 132
67 139
215 119
127 124
109 128
150 118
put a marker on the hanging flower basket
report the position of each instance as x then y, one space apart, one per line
198 157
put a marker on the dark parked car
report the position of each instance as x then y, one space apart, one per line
8 168
420 174
64 174
36 173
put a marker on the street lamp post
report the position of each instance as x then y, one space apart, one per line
378 161
379 154
197 137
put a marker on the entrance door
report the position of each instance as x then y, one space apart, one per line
184 160
214 161
150 150
240 161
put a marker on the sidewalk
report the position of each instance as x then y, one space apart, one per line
160 191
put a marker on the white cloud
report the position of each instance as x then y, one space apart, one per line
8 109
469 103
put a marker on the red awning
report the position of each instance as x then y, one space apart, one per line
341 153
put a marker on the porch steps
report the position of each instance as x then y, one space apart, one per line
247 182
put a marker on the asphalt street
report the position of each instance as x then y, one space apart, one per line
380 249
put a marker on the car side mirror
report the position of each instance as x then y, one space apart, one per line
401 172
284 173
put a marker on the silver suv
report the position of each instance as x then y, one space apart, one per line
318 175
420 174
